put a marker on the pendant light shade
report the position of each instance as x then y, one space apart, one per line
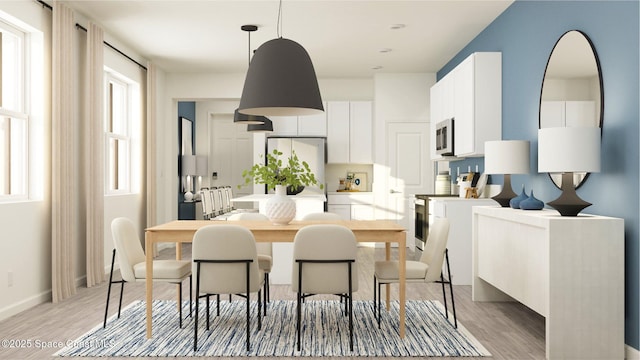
266 127
240 118
281 81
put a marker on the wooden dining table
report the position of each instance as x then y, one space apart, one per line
182 231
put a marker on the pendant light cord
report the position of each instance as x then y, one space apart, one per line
279 25
249 49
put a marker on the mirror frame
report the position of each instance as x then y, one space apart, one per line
600 83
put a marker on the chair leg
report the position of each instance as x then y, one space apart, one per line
453 304
350 310
299 310
208 309
379 301
180 303
190 294
375 306
444 296
268 292
121 293
106 308
217 304
260 296
248 308
195 323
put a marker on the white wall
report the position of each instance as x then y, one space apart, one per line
25 249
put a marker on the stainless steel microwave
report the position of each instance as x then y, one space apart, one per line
444 137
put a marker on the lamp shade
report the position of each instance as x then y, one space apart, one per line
506 157
188 165
202 165
281 81
266 127
240 118
569 149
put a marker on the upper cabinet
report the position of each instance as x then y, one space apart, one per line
311 125
471 94
349 132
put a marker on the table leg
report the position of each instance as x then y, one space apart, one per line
387 255
402 254
149 283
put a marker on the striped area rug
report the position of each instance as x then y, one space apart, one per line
325 332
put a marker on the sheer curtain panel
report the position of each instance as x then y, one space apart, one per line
63 173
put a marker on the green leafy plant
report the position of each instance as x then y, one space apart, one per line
295 173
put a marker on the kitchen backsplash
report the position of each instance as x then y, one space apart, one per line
334 172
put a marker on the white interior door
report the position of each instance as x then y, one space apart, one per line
410 170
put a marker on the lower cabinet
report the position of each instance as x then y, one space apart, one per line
352 206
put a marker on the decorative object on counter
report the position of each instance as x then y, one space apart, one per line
188 170
359 182
275 174
567 150
531 203
238 117
506 157
515 202
202 169
443 183
281 80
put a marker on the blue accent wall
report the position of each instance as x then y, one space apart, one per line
525 34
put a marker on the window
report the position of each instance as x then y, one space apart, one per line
118 124
14 121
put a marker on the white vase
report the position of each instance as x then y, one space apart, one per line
280 208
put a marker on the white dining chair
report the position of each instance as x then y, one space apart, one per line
265 250
324 262
327 216
225 261
427 270
132 261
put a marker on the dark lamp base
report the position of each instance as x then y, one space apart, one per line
506 194
568 203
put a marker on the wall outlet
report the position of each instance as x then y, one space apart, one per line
10 278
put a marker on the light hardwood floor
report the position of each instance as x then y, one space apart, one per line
507 330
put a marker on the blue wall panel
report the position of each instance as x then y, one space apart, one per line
525 34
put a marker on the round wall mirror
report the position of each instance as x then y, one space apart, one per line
571 94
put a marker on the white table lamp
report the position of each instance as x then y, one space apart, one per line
188 169
506 157
567 150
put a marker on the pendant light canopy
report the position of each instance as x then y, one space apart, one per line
266 127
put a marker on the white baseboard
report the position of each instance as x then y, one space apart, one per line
25 304
630 353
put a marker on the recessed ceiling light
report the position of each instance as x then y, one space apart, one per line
396 26
376 67
385 50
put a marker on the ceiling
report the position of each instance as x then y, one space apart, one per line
343 38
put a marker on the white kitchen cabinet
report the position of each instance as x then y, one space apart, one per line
313 125
360 132
569 269
471 94
568 113
340 209
477 103
352 206
458 211
284 125
349 132
310 125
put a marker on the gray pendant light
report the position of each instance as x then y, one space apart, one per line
266 127
238 117
281 81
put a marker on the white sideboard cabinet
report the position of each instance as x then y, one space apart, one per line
568 269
